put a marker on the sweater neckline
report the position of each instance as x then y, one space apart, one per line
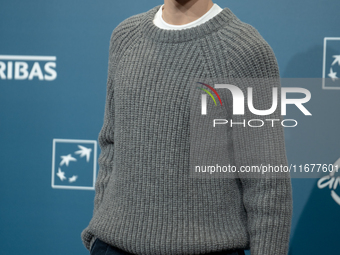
151 31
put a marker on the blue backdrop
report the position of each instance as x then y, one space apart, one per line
53 71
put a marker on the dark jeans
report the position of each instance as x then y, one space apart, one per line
101 248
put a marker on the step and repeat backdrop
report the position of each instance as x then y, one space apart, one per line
53 72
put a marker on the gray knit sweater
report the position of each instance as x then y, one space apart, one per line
145 201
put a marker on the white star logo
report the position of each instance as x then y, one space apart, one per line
73 178
84 152
66 159
333 75
336 60
61 175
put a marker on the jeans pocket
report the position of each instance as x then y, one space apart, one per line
94 243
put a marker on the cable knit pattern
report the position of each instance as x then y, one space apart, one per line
145 201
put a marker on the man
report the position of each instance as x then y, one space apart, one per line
146 202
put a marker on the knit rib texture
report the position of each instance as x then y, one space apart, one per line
145 201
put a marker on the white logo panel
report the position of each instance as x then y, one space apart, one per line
331 63
74 164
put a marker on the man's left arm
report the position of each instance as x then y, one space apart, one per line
268 201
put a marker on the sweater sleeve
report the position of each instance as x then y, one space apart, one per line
106 135
267 201
106 143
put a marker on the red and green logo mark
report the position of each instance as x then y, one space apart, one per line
204 97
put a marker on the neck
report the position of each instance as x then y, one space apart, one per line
180 12
153 33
